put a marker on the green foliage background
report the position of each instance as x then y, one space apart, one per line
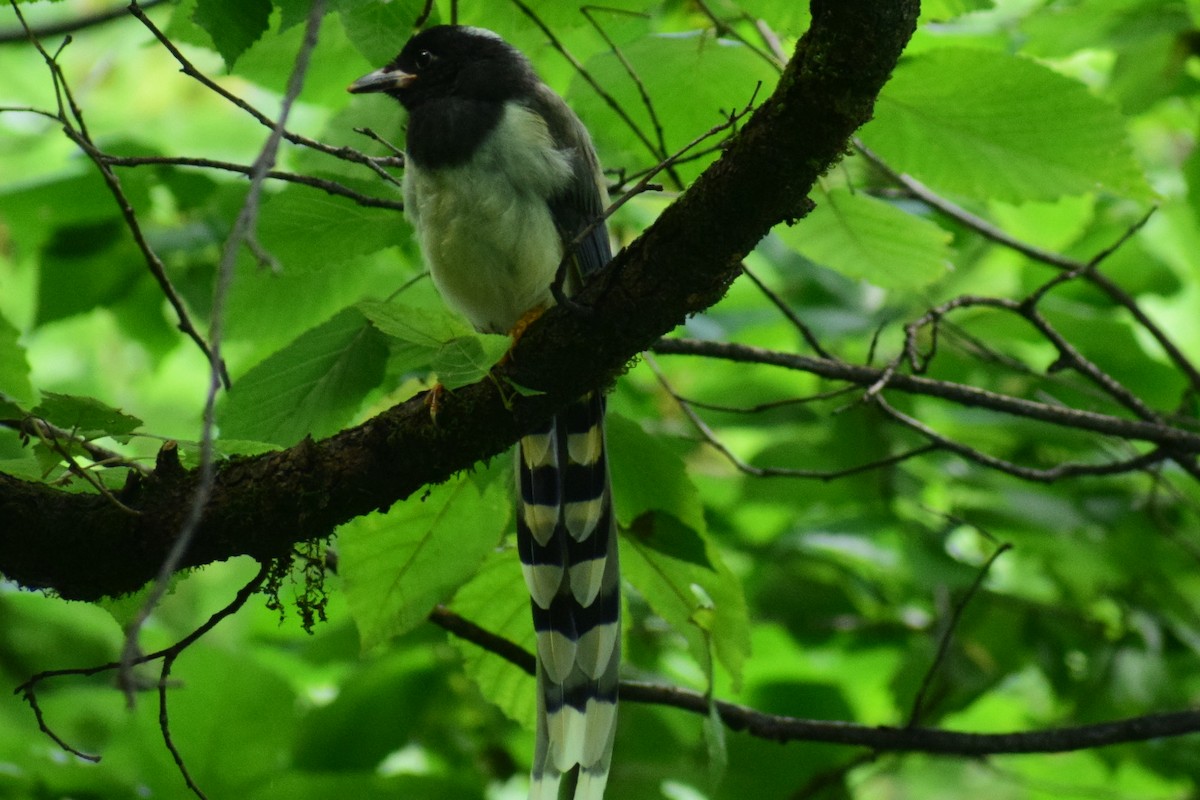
1061 122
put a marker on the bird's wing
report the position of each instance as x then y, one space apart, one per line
580 206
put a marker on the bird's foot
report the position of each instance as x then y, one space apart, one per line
433 400
518 330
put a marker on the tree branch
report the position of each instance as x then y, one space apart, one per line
956 392
780 728
82 547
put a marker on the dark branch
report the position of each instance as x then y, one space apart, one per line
261 506
882 737
955 392
72 25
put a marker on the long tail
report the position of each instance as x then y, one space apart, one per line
566 535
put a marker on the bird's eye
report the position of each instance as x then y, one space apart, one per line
423 59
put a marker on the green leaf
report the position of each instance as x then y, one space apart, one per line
866 238
497 600
437 338
305 230
667 555
379 30
467 359
34 210
669 585
722 77
84 415
991 125
87 266
424 327
15 387
234 25
396 566
313 386
647 476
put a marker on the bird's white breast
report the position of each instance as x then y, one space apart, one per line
485 227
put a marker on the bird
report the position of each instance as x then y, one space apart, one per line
504 188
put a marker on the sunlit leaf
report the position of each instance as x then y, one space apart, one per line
14 368
233 24
310 387
496 599
396 566
84 415
866 238
1026 132
666 555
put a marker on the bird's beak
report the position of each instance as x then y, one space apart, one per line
381 80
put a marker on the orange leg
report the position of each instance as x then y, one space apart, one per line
433 400
518 330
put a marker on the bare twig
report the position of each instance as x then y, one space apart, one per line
787 311
28 689
723 28
468 631
37 427
647 101
1070 356
79 23
102 456
992 233
243 232
327 186
76 130
164 725
715 442
1047 475
918 705
1078 419
770 405
556 288
187 68
604 94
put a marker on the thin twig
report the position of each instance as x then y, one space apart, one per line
556 288
164 725
770 405
787 311
918 705
1078 419
1058 472
643 94
71 25
721 27
102 456
327 186
187 68
992 233
243 231
76 130
1070 357
28 689
604 94
73 466
715 442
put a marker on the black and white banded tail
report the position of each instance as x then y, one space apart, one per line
566 536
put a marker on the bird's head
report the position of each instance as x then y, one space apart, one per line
451 61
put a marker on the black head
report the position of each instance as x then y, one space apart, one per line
452 61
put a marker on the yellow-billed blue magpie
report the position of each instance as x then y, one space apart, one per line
500 179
